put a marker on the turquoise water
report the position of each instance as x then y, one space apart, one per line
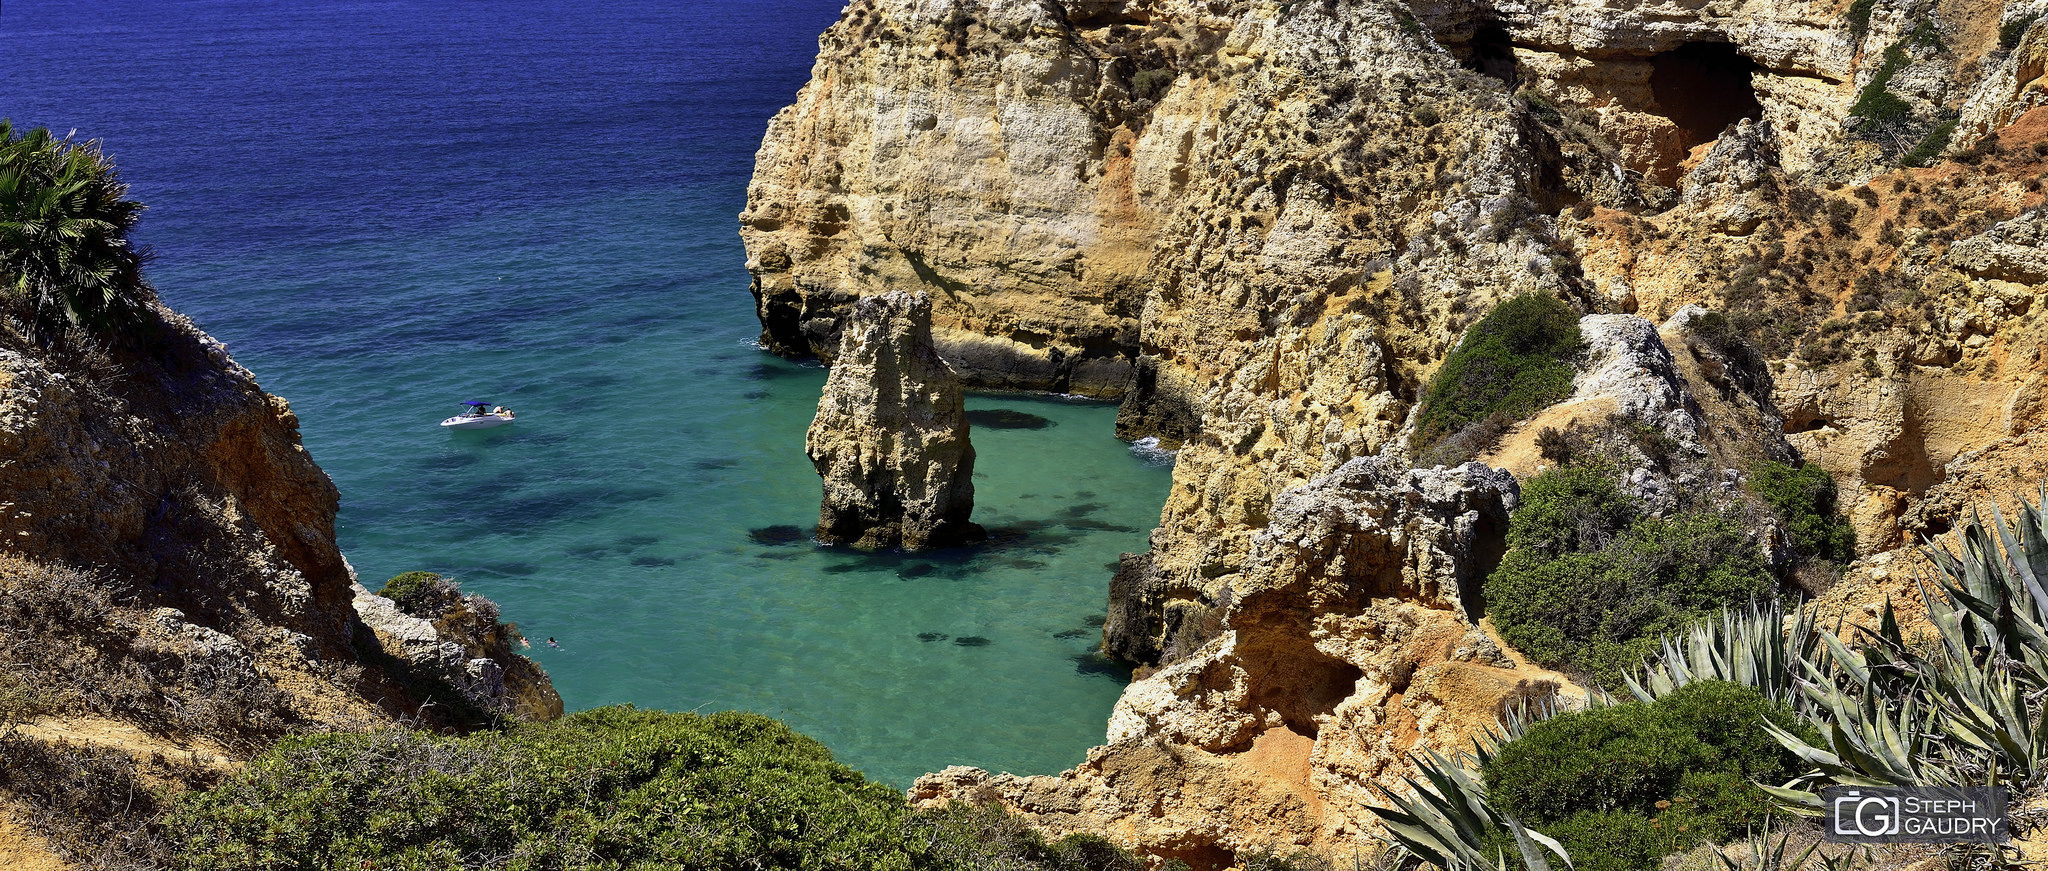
388 207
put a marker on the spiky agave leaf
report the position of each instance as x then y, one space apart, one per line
1762 853
1445 819
1752 647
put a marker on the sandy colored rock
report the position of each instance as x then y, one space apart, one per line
890 438
1347 646
1264 225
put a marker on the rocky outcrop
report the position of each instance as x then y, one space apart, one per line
1348 645
1265 224
167 470
459 643
890 438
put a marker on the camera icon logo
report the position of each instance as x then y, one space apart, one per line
1869 816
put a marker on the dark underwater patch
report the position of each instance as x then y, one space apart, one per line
972 641
778 535
775 372
1094 664
1073 633
447 462
1098 526
916 570
929 637
653 561
1003 418
638 540
715 463
1097 620
588 551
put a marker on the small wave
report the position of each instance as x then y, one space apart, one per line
1148 450
753 342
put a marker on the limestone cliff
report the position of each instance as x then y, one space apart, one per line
890 438
1264 225
160 469
1347 646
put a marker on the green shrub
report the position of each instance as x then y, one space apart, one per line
1589 582
1858 17
1512 363
1623 786
607 788
1805 499
2010 33
613 786
421 594
1931 147
64 223
1876 102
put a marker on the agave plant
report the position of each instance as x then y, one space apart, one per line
1445 819
64 223
1963 706
1752 647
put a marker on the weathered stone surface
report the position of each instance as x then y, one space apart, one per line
1346 648
890 438
467 649
1273 220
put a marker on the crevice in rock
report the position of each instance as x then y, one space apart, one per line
1703 87
1491 53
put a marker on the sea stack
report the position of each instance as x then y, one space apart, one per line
890 438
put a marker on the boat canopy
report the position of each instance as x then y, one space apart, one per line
477 404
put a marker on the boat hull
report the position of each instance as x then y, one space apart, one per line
485 422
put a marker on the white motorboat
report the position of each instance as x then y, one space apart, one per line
475 417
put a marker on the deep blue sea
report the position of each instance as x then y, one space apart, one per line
385 208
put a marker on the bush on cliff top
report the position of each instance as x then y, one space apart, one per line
607 788
1590 582
65 256
1623 786
421 594
1511 364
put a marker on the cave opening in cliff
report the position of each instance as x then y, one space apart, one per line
1703 87
1491 53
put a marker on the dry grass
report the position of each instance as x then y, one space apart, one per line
69 647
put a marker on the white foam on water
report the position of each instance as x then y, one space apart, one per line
1148 450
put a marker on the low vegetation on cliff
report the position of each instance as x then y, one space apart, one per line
607 788
1959 704
1511 364
1621 787
1592 578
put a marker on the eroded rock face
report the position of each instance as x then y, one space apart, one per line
465 648
890 438
1265 224
176 478
1347 647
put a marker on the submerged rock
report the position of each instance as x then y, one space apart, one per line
890 438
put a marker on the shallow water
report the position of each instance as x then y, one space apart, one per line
386 207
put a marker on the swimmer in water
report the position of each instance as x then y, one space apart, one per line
551 643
